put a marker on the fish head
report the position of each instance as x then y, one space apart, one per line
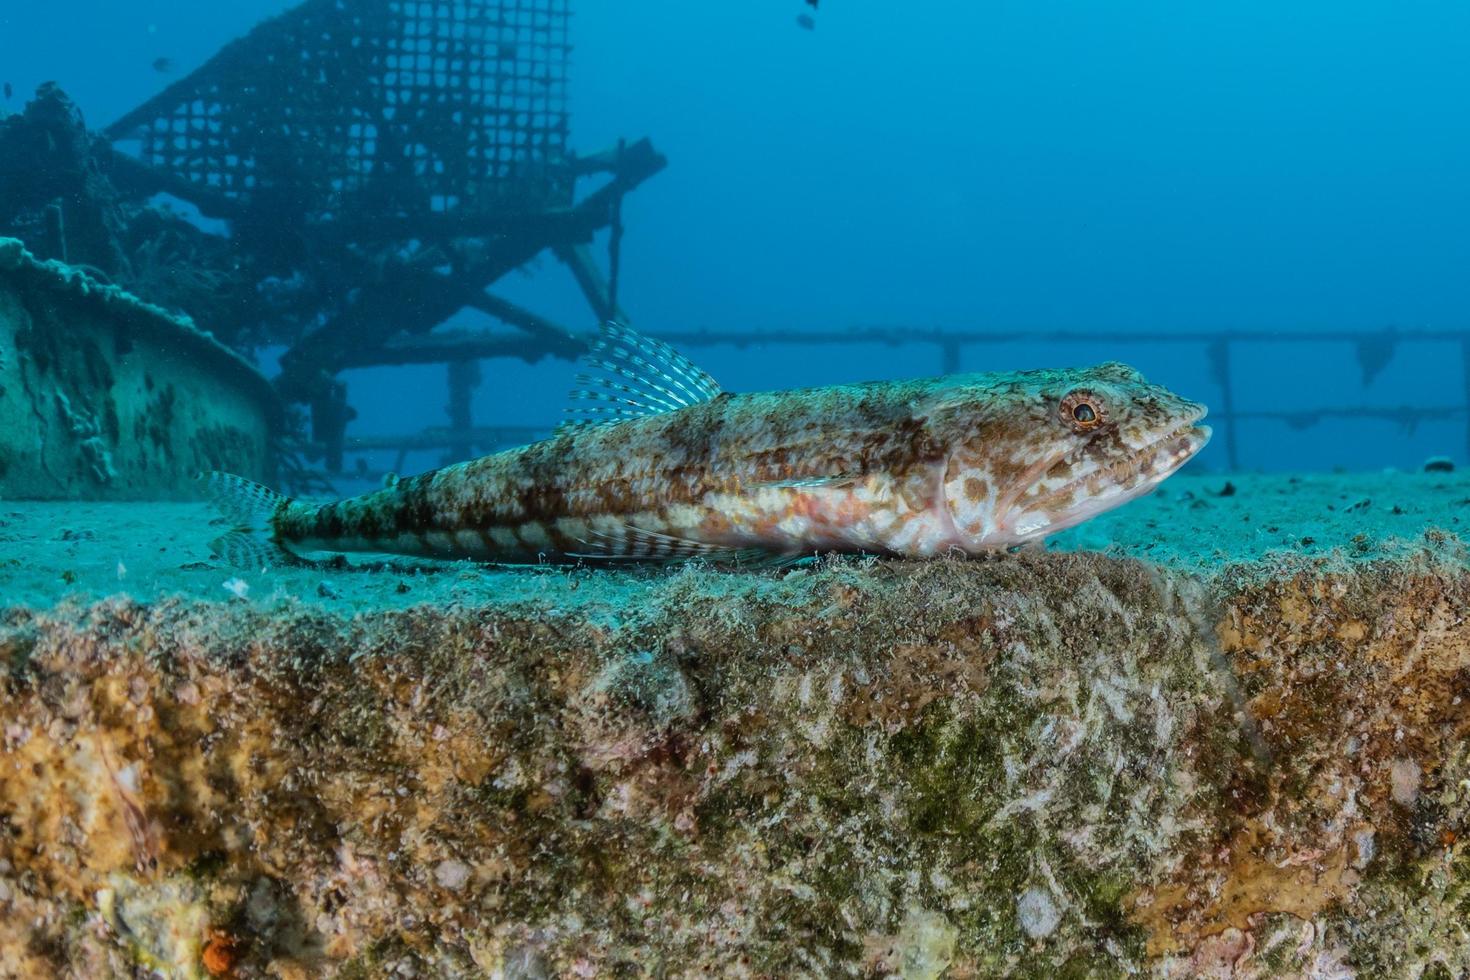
1046 450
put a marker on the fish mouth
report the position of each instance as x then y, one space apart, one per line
1138 471
1176 448
1103 488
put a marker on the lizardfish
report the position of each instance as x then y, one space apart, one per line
660 464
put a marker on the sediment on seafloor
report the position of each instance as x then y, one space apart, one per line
1061 764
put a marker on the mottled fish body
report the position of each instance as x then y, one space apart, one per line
665 466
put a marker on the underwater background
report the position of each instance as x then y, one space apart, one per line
1220 732
978 166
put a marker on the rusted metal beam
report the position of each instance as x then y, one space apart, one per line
412 298
463 378
330 414
897 335
1218 356
457 345
1465 380
601 294
558 341
604 161
950 342
578 258
440 437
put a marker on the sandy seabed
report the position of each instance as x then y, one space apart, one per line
1219 732
55 551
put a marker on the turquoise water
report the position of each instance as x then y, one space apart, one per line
330 244
965 168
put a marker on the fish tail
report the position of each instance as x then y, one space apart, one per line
252 508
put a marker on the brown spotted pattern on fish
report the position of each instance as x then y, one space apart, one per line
665 466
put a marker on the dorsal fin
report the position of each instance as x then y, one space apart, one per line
628 376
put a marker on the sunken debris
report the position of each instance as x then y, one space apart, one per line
343 221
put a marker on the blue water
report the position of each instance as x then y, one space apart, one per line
972 166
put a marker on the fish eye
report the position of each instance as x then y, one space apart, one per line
1083 411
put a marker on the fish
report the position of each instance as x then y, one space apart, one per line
805 22
812 4
163 65
657 463
8 91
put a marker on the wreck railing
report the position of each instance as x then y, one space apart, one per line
1373 352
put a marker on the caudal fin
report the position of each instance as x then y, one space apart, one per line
251 507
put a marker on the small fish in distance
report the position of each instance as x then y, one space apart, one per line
8 91
163 65
663 466
805 22
812 4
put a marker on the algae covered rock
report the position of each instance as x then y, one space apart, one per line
1041 764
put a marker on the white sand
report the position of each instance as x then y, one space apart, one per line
51 551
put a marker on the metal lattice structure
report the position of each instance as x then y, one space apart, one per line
381 164
409 108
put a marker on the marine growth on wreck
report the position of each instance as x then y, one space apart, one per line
337 642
